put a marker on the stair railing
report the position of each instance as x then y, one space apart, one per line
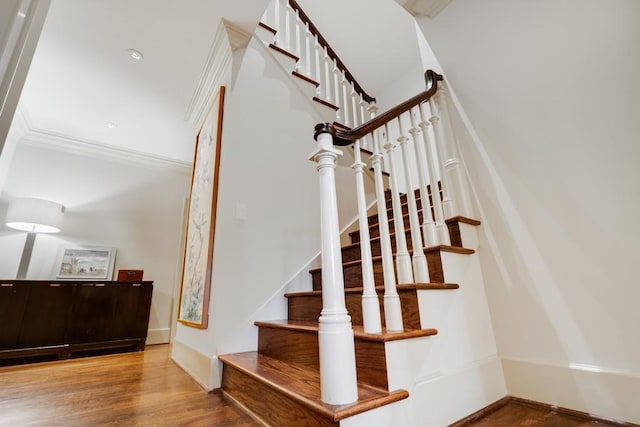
421 127
316 60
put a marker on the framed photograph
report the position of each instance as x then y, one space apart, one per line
201 220
87 262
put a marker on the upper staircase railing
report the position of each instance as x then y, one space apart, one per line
316 60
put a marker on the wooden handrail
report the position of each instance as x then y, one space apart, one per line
332 54
347 137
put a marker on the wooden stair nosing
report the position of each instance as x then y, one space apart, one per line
326 103
427 249
358 331
305 78
401 287
267 27
269 375
463 219
284 52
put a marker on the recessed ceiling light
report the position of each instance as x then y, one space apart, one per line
135 54
111 125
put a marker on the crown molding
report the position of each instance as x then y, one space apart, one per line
428 8
216 70
238 37
51 140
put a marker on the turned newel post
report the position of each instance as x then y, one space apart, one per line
338 380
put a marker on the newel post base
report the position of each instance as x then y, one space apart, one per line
338 381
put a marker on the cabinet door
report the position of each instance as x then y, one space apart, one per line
13 302
93 313
132 311
47 314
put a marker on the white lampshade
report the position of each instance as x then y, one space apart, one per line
35 215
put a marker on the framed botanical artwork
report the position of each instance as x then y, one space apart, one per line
87 262
201 220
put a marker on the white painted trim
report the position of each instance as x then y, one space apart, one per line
158 336
218 63
52 140
428 8
578 367
202 368
601 391
238 37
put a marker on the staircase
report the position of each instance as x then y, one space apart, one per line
358 348
279 384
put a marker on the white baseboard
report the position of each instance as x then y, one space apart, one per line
202 368
158 336
598 391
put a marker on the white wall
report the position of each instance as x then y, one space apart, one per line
551 90
135 208
266 140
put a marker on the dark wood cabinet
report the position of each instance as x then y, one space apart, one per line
64 317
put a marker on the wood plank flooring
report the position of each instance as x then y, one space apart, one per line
148 389
129 389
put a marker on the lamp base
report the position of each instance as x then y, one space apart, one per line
26 256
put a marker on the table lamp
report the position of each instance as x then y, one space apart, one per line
33 216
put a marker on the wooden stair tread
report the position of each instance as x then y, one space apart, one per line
463 219
302 384
358 330
428 249
392 236
380 289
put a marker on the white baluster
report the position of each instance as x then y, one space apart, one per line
392 308
287 27
403 259
327 81
441 227
276 22
298 22
453 164
354 106
338 381
370 303
317 49
336 87
448 204
345 104
420 271
365 139
429 231
307 36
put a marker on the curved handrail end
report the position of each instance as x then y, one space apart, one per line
323 128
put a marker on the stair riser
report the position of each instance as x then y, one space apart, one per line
403 198
268 404
353 273
308 308
352 276
374 228
301 348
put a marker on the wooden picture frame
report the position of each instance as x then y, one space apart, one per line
201 220
86 263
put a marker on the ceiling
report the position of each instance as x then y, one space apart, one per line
82 77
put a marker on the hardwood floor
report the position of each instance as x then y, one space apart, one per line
148 389
512 412
140 388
